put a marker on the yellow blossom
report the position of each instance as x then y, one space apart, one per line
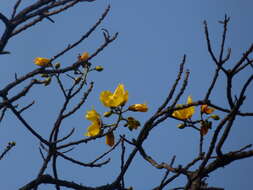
185 113
41 61
138 107
84 57
109 139
205 109
118 98
93 130
95 127
99 68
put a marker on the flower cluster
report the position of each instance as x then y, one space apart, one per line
185 114
45 62
115 102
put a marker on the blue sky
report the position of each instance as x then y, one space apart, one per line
153 37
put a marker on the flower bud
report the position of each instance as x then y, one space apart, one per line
205 109
107 114
138 107
181 126
84 57
215 117
99 68
42 62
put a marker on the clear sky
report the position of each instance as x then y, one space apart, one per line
153 37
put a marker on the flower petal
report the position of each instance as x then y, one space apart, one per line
92 115
93 130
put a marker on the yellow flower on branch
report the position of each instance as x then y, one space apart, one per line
42 62
109 139
138 107
205 109
84 57
95 127
118 98
185 113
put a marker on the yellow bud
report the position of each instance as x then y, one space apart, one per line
57 65
138 107
42 62
84 57
99 68
47 81
215 117
181 126
107 114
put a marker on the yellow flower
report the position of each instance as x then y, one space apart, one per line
205 109
95 127
99 68
184 113
84 56
109 139
93 130
138 107
92 115
118 98
41 61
